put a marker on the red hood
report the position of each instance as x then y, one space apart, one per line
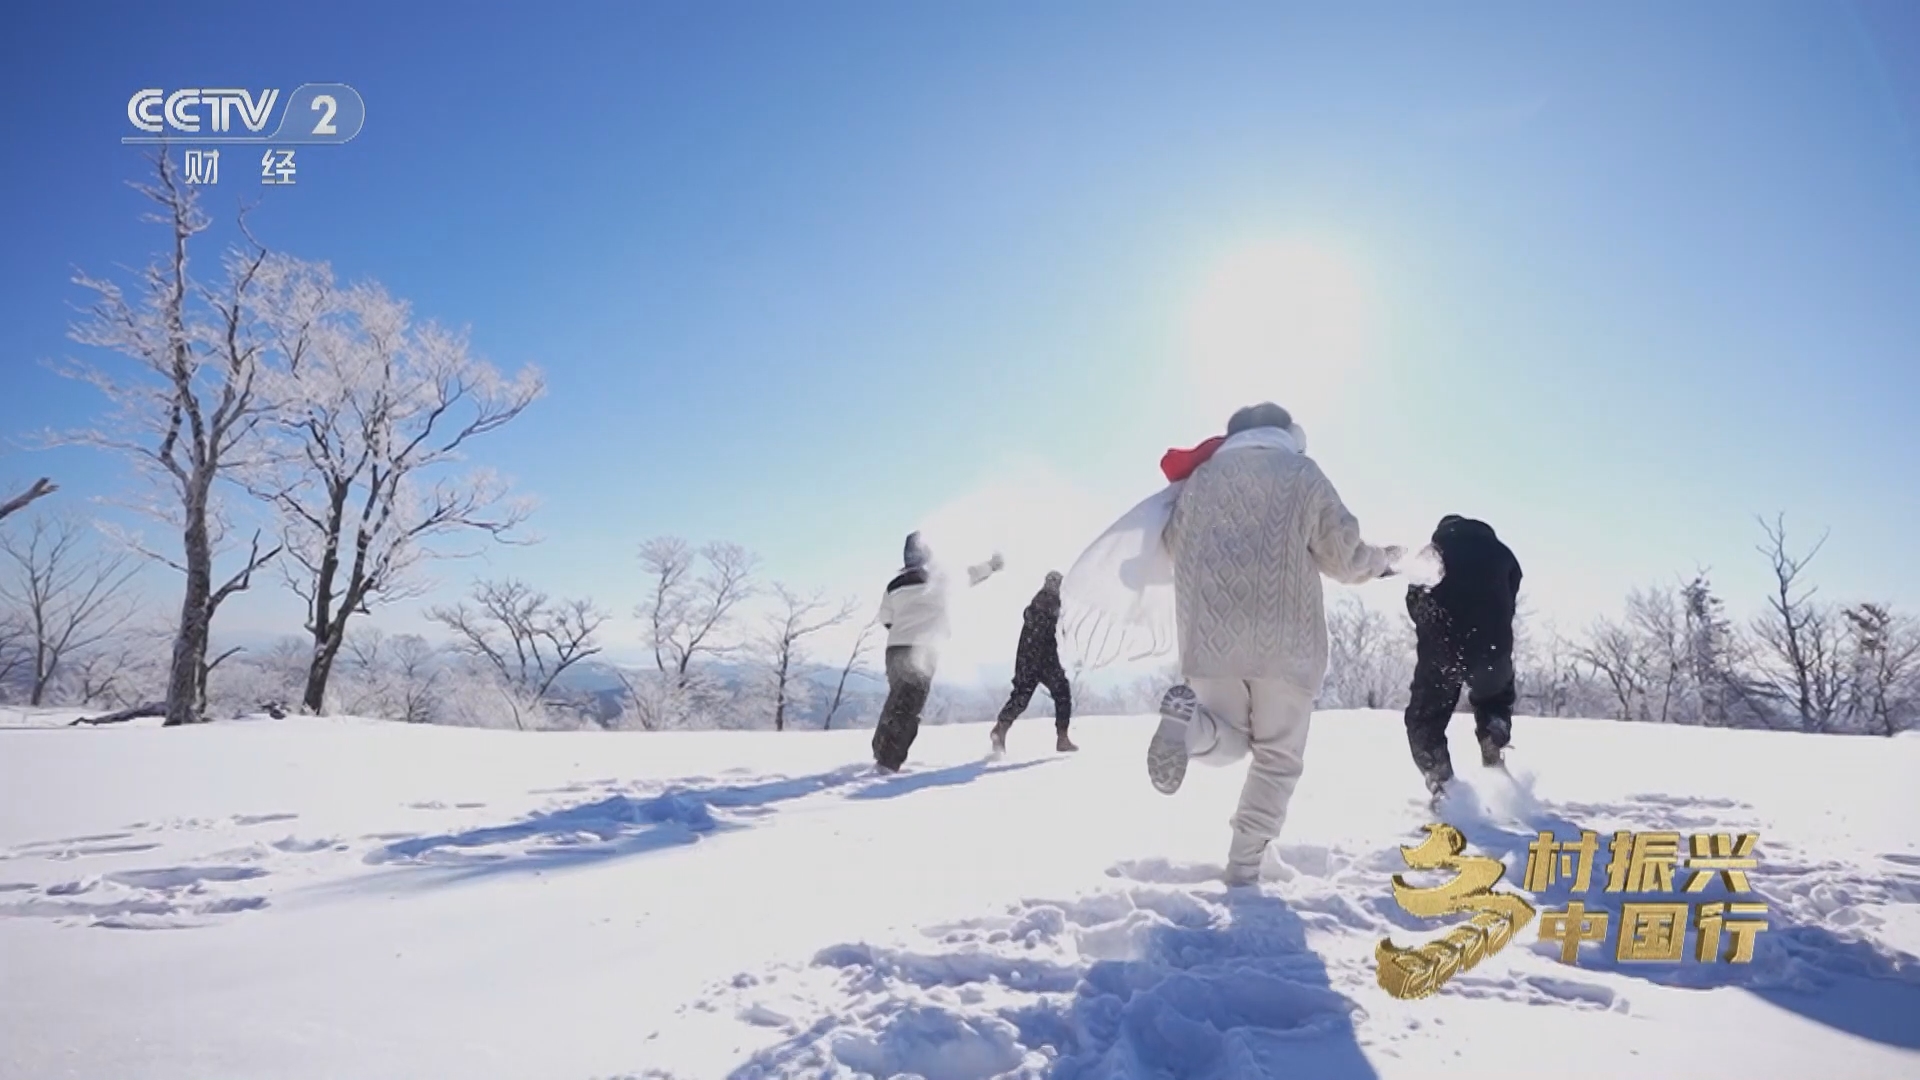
1179 464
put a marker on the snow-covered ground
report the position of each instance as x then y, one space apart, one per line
343 898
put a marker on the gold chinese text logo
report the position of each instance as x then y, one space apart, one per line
1648 931
1419 971
1651 931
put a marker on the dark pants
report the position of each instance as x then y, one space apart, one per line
1030 677
1483 664
909 680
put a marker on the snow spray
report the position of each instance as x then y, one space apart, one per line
1423 567
1036 523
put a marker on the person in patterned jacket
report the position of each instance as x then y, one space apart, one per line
1036 663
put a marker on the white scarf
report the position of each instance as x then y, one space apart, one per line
1117 601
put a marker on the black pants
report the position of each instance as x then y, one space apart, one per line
1483 664
1029 677
909 680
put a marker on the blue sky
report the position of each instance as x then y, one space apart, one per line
1615 277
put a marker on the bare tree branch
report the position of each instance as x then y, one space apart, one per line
687 616
68 599
40 489
853 661
152 708
524 637
797 618
1802 659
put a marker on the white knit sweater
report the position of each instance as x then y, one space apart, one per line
1250 534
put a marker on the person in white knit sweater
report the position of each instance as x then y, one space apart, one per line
1250 533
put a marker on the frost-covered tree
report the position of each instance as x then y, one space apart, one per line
783 650
666 701
128 670
692 597
1369 657
397 676
524 638
1643 661
1547 673
1709 644
1801 646
853 666
14 652
1618 659
1884 690
66 597
243 683
189 402
373 414
1655 619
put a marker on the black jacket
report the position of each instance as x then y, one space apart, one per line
1039 641
1479 589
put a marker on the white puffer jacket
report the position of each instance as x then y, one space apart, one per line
914 611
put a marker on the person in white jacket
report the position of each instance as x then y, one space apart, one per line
914 612
1251 532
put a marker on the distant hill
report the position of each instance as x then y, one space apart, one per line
860 703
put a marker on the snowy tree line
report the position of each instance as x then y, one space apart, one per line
729 650
1674 656
294 429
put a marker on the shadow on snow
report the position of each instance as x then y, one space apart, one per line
906 783
1205 998
618 826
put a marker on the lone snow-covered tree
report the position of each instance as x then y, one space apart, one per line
523 637
1886 659
190 412
795 619
688 613
66 598
1709 651
374 412
855 655
1801 644
1617 656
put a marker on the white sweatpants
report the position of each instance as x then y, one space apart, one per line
1267 718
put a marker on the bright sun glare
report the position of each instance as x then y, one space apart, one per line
1284 321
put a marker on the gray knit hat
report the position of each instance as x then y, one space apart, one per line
1265 414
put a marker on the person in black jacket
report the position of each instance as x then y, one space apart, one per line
1464 632
1036 662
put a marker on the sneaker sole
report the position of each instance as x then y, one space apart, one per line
1167 753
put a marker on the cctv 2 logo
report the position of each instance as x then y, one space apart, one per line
314 113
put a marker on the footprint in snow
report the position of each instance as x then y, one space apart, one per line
295 846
